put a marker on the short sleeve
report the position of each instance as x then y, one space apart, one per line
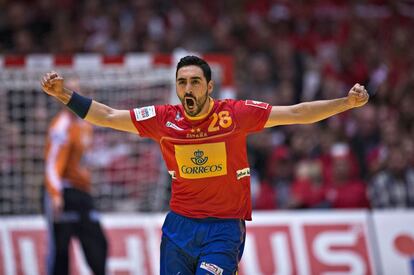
251 115
148 120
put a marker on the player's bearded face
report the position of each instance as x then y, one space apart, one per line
193 90
194 105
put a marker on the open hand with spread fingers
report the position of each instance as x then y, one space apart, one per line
357 96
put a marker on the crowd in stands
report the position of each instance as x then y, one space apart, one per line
285 52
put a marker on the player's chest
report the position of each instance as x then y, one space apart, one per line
216 124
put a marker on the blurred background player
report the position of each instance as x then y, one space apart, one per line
68 203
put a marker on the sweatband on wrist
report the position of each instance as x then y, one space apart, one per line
79 104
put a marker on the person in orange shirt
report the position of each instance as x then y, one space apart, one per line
68 203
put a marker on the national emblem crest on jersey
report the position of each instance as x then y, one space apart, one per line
178 117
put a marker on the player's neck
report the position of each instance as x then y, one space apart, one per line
204 112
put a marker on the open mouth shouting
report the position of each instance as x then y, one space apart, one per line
190 103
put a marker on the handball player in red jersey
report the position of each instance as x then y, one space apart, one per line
203 142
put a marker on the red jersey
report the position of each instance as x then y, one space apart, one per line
206 156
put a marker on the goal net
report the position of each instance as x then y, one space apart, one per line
128 173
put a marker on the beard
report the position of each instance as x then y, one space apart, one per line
192 105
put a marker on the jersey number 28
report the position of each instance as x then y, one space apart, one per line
222 119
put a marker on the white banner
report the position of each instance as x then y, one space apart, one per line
297 242
308 243
395 234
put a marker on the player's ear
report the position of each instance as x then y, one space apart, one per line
210 86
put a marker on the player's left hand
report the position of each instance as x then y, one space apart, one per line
357 96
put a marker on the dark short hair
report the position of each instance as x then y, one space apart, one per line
196 61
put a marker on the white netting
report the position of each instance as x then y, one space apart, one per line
128 173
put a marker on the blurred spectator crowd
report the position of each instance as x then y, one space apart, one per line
285 52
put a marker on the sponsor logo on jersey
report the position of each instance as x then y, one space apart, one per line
172 125
198 158
201 160
243 173
257 104
144 113
216 270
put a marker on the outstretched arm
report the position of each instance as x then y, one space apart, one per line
97 113
310 112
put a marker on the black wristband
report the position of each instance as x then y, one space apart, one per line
79 104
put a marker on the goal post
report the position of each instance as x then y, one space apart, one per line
128 173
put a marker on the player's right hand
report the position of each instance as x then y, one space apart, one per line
52 83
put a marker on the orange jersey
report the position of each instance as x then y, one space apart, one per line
68 138
206 156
